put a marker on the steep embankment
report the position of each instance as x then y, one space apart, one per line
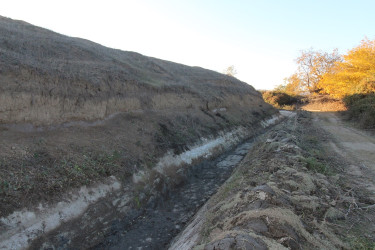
74 113
48 78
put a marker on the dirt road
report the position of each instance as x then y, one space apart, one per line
356 146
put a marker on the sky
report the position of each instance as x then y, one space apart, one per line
260 38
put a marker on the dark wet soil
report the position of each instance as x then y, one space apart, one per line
154 226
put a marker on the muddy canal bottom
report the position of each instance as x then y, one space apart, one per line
155 226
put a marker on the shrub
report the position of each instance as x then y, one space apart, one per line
280 100
314 165
361 108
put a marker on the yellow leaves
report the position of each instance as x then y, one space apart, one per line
312 65
329 73
355 74
292 85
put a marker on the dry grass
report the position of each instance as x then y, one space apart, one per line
281 100
47 78
39 166
57 97
290 191
323 103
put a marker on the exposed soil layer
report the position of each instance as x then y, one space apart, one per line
47 78
73 112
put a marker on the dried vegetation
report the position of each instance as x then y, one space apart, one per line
290 192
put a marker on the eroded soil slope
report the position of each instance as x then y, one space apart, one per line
73 113
47 78
291 191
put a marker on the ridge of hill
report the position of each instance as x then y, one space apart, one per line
47 78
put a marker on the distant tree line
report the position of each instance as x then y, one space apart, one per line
350 77
334 74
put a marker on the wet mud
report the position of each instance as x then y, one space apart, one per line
154 226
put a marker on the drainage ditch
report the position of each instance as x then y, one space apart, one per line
154 226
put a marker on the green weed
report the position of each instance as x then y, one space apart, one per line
313 164
137 202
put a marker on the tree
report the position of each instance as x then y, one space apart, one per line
292 85
312 65
230 71
354 74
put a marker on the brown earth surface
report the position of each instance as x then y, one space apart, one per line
304 186
356 146
323 103
49 79
73 112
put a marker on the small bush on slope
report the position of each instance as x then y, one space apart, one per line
280 100
361 108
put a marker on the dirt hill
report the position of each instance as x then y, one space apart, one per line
47 78
73 112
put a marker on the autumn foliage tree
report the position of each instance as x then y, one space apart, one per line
312 65
292 85
350 77
355 74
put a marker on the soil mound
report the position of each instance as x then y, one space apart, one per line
73 112
47 78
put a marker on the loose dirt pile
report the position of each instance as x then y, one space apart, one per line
291 191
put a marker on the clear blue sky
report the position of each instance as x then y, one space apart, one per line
260 38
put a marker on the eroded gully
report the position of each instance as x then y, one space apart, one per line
154 226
